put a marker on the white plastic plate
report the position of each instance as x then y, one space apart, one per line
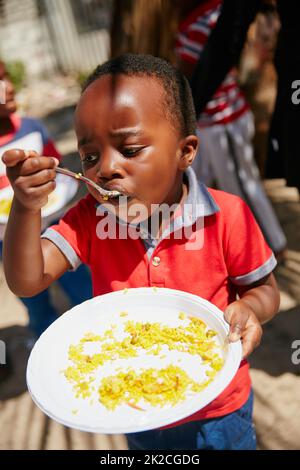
54 395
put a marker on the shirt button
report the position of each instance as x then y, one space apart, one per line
156 261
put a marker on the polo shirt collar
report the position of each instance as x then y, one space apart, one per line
199 198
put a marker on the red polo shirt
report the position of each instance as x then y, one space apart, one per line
233 253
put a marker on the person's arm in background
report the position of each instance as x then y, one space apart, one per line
222 50
284 146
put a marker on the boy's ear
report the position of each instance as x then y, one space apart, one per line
187 151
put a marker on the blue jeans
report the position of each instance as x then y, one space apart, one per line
234 431
76 284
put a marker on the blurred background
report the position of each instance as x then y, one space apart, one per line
49 48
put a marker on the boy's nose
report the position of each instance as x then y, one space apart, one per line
109 168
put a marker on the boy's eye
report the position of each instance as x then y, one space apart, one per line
89 158
131 151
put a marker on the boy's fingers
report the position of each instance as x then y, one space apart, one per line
231 311
237 320
36 179
235 333
35 164
13 157
251 338
248 347
43 190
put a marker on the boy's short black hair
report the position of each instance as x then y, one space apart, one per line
178 102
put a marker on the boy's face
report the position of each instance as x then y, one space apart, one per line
127 144
10 105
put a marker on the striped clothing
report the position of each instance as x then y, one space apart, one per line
228 103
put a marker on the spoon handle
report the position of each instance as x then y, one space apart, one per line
79 176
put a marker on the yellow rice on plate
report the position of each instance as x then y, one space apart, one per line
5 204
157 387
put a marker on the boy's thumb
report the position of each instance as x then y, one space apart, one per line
235 332
13 157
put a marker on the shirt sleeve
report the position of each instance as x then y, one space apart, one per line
72 234
248 257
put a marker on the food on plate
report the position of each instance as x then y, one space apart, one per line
5 204
155 386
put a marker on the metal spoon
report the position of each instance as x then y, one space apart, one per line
78 176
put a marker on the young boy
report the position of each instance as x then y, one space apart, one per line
135 126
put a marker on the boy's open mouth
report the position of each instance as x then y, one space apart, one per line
120 192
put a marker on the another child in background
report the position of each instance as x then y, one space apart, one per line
30 134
